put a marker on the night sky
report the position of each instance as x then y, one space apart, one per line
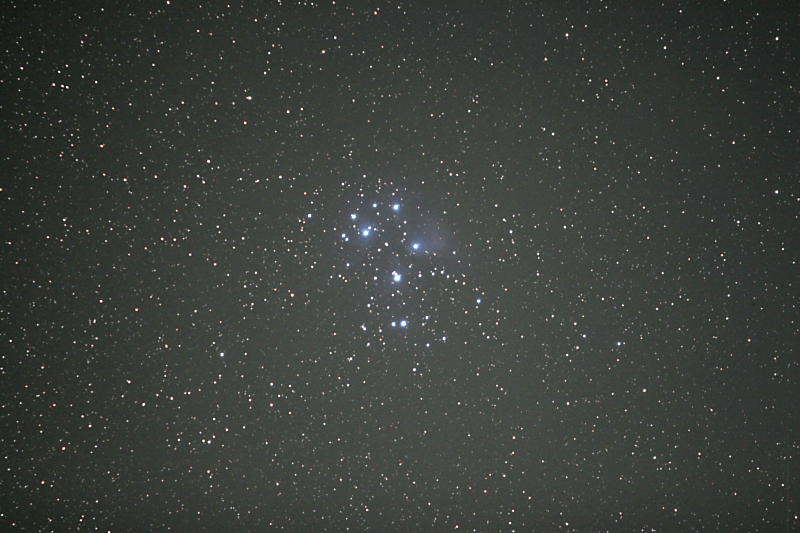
487 266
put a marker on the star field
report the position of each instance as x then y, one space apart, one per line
303 266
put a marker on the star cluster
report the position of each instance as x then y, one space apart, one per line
389 255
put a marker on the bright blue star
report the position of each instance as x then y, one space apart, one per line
375 205
365 232
479 300
394 324
403 323
396 207
353 216
396 277
415 246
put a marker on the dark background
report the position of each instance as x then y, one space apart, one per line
190 343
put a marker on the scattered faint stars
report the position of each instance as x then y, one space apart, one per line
311 266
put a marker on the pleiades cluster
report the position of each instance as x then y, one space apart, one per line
400 265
